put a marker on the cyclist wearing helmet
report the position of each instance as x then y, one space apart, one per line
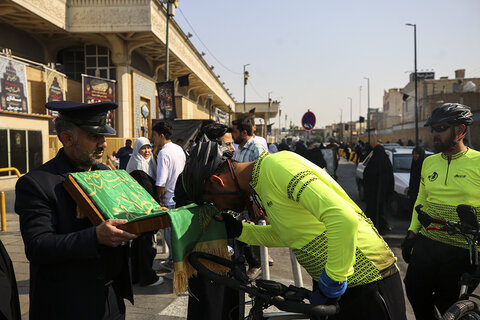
449 178
305 207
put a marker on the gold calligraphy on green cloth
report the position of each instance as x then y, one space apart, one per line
117 195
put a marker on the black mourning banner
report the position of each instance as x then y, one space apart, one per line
166 99
13 86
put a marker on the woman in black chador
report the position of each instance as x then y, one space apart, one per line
415 174
379 184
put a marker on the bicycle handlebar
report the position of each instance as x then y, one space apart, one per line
271 291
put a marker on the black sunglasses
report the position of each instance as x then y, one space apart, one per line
440 128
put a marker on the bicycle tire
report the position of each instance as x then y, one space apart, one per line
462 310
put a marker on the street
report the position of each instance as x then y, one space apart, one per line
160 302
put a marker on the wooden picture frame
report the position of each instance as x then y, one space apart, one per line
87 208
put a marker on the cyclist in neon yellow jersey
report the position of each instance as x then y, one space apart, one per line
310 213
449 178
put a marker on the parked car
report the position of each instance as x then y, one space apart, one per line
401 158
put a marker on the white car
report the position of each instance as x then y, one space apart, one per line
401 158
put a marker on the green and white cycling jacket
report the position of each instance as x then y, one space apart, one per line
309 212
447 182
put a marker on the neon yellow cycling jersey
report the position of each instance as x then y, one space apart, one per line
310 213
446 183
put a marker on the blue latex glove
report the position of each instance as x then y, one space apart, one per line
330 288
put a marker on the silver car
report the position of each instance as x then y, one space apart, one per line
401 158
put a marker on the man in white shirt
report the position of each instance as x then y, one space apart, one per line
170 162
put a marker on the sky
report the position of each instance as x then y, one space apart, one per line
315 54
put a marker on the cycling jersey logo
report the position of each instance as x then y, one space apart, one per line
270 203
433 176
460 176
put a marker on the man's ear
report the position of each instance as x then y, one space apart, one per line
216 180
460 129
67 139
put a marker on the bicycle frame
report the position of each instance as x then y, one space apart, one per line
471 233
264 293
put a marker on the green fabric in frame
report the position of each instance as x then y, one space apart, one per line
117 195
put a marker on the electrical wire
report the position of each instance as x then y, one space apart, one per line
255 90
193 30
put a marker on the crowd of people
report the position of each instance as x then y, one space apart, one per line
74 264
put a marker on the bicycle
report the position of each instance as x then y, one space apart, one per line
468 227
264 293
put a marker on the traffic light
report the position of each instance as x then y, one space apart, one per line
245 77
362 119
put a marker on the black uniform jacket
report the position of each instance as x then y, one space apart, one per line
9 303
68 268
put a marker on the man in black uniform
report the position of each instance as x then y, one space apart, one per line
77 270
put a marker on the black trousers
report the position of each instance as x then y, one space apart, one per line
114 305
379 300
142 254
433 274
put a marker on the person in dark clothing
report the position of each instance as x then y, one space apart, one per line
77 270
418 155
359 146
300 148
315 155
379 183
366 150
124 154
208 300
142 167
9 302
410 143
283 146
400 142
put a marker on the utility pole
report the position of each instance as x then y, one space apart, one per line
351 129
245 80
416 81
171 5
368 107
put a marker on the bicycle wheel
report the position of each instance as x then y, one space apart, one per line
462 310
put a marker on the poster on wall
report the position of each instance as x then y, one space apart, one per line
13 86
222 116
166 99
98 90
55 91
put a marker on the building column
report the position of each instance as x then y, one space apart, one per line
124 99
121 58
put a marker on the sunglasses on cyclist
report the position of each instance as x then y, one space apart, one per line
440 128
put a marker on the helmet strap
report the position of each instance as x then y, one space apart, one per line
235 180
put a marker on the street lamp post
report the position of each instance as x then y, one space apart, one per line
360 110
171 5
268 113
351 129
245 80
279 126
368 107
416 82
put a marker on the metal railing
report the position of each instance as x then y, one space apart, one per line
3 211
